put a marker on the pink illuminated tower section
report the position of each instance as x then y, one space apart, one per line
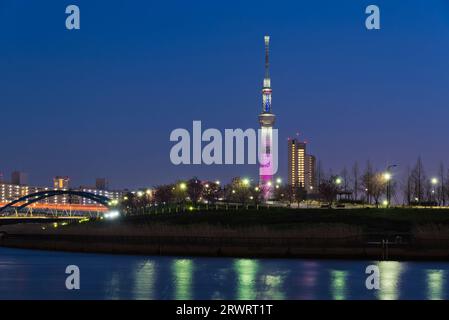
266 120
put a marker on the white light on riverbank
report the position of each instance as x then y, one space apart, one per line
112 214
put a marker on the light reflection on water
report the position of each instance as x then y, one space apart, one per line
338 284
390 277
26 274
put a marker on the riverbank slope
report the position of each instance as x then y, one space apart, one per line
398 234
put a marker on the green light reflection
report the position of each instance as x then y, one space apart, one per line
338 284
273 287
144 281
435 280
390 274
182 270
246 271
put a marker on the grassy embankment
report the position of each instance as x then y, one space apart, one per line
308 223
329 233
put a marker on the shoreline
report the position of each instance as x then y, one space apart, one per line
219 248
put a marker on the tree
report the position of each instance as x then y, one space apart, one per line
328 189
128 204
179 192
284 193
239 190
194 189
442 186
320 173
355 180
133 202
299 194
256 195
344 175
211 192
408 187
446 185
378 187
418 179
367 179
164 194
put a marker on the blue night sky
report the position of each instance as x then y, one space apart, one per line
103 100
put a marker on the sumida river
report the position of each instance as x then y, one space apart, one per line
28 274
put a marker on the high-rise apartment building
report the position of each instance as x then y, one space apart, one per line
301 166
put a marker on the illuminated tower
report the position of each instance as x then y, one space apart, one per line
266 120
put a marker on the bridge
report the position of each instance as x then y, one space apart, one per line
31 205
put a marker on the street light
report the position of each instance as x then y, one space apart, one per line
388 177
338 181
434 182
246 182
278 180
182 186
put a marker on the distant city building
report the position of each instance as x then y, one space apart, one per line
19 178
1 177
10 192
301 166
113 195
61 182
101 184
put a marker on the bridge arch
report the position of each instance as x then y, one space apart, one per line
39 196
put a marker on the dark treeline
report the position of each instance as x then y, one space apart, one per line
407 186
361 185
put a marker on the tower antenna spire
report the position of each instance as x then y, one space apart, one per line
267 56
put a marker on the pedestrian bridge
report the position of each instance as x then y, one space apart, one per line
31 205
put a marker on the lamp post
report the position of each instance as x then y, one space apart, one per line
388 178
434 182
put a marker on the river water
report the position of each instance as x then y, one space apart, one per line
28 274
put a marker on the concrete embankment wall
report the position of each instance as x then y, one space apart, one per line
227 247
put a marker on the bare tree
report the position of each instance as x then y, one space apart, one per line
328 190
355 180
344 175
378 187
442 185
408 187
446 185
418 179
367 180
320 172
